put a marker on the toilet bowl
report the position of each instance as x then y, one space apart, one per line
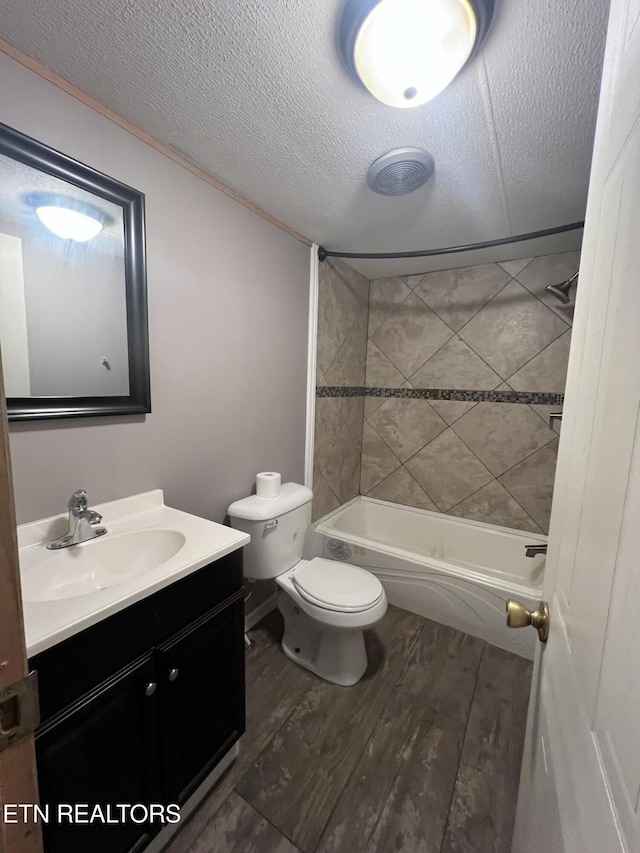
326 605
325 633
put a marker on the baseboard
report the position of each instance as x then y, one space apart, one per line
254 616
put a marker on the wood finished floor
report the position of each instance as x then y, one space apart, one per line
421 756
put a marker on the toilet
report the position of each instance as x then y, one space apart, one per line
326 604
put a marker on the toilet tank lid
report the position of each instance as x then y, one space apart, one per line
254 508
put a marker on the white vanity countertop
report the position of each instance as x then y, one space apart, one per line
50 622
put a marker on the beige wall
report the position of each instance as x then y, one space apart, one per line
228 314
342 348
477 328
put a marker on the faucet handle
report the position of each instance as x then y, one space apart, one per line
78 501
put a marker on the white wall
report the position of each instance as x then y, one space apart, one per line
228 308
13 318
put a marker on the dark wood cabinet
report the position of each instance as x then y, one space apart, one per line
151 731
201 676
102 751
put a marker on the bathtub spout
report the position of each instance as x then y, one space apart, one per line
534 550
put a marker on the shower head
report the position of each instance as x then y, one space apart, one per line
561 291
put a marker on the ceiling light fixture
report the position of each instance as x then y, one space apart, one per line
406 52
68 218
69 224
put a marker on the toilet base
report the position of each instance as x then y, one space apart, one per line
337 655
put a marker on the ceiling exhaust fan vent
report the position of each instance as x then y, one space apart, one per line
400 171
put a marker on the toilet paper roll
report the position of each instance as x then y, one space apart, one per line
268 484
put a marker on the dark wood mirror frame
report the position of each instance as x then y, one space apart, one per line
39 156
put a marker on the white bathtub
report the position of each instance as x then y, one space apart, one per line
451 570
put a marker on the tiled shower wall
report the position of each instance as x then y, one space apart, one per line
343 311
481 328
477 328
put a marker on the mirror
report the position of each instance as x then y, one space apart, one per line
73 301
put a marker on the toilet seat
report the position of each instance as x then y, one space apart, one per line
337 586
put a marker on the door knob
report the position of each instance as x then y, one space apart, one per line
173 674
518 616
150 688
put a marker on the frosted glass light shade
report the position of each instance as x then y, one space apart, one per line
68 223
407 51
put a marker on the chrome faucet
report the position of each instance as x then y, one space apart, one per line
534 550
82 523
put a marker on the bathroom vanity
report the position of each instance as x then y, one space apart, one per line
140 704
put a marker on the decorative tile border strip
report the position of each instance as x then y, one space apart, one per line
528 397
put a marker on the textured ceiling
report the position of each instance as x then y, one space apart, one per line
255 93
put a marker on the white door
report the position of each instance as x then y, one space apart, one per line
580 784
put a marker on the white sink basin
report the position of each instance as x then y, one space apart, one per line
147 547
97 564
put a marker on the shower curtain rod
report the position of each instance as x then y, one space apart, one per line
323 253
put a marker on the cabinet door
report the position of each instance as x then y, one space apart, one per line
201 686
102 751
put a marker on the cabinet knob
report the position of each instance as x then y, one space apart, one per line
173 674
150 689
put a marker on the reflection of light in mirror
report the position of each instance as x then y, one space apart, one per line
69 224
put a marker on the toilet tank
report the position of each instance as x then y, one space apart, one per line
277 527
